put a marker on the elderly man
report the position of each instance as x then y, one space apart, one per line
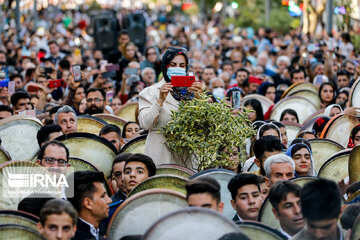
148 76
279 167
66 118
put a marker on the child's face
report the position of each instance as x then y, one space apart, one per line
57 226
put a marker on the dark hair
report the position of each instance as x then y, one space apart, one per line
278 124
17 96
53 142
234 236
123 32
169 55
296 71
45 131
280 190
297 147
291 112
84 186
264 87
242 70
58 207
108 128
120 158
204 185
320 124
226 62
6 108
334 91
149 163
124 128
320 200
15 75
302 140
268 126
301 134
52 42
349 216
353 133
257 108
64 64
95 90
266 144
343 73
241 180
54 110
211 67
353 188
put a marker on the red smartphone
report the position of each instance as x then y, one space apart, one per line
182 81
57 83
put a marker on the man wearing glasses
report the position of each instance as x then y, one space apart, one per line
95 101
54 156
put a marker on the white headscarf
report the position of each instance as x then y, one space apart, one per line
328 109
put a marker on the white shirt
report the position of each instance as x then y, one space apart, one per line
284 233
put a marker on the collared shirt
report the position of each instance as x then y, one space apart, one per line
93 230
284 233
239 218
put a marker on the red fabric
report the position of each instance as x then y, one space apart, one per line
234 85
253 79
268 113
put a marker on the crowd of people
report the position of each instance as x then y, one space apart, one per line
38 79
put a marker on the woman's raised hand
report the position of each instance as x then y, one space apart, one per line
164 91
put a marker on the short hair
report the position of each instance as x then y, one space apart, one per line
45 131
204 185
52 42
6 108
280 190
15 75
147 68
58 207
320 200
216 79
295 71
346 61
283 59
120 158
96 90
53 142
241 180
343 73
149 163
52 109
353 188
266 144
84 186
349 216
211 67
278 158
234 236
291 112
242 70
17 96
108 128
64 109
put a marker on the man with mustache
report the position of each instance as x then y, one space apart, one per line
284 197
95 101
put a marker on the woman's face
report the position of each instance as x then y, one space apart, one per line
334 111
327 94
309 136
270 93
357 138
130 51
82 106
251 115
302 161
289 117
151 55
115 104
341 98
178 61
132 130
271 132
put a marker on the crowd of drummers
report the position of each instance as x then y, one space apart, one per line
93 115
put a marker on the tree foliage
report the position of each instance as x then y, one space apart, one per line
205 130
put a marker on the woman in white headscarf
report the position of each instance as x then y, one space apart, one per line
333 110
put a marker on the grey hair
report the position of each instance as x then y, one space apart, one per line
278 158
283 59
64 109
216 79
147 68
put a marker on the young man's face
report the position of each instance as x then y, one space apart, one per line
247 202
134 173
99 204
57 227
289 214
205 200
323 229
264 190
118 175
114 138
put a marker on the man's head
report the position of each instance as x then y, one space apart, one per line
209 72
54 156
95 101
90 196
112 133
216 83
124 37
264 148
204 192
342 79
137 169
148 75
5 111
321 208
19 81
284 197
246 196
279 167
241 75
349 215
48 133
118 170
54 48
58 220
66 118
349 66
21 101
297 75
